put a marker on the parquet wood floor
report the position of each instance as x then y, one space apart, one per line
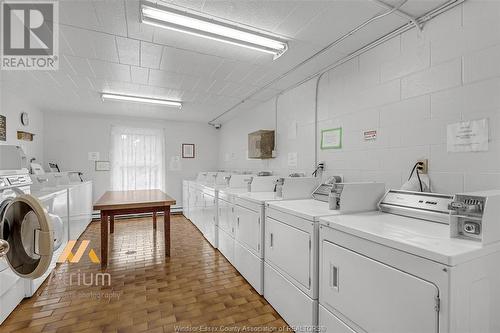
195 290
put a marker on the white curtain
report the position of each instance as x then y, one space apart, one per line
137 158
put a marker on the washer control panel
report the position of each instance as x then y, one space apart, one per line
14 181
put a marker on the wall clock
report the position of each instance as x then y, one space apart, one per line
25 120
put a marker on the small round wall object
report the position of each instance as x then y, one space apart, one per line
25 120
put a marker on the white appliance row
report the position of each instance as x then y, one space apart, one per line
239 215
33 231
79 197
413 266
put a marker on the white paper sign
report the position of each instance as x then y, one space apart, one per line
292 159
94 156
370 135
468 136
331 138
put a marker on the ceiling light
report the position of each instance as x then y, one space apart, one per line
173 19
139 99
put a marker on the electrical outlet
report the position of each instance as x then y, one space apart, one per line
423 166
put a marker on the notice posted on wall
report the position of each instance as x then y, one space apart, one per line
468 136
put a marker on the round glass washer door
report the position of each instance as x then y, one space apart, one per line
29 236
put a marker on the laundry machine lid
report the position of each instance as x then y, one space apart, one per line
27 229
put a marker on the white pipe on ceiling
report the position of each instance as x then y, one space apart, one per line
421 20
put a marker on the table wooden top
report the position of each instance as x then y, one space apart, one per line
133 199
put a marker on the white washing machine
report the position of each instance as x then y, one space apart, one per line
55 205
79 198
28 236
291 251
413 267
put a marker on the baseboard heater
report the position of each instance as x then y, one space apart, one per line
174 211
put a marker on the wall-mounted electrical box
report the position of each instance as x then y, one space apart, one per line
261 144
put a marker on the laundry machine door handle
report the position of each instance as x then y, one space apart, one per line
4 247
41 246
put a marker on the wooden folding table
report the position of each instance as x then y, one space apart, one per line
114 203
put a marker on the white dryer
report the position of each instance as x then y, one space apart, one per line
291 251
249 212
406 268
227 216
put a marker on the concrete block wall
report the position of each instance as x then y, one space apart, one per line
408 89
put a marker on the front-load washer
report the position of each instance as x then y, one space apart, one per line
55 205
291 250
27 237
26 231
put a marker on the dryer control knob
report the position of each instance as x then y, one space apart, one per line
4 247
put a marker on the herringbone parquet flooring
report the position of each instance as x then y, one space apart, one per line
194 290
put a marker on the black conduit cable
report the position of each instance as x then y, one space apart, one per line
415 168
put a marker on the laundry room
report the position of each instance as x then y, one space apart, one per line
250 165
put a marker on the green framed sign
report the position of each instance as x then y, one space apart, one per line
331 138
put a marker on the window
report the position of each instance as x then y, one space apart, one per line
137 158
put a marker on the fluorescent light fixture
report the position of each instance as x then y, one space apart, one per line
139 99
173 19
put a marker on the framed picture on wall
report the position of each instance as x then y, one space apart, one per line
187 150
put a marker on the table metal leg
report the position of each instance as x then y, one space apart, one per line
111 223
104 239
154 220
167 231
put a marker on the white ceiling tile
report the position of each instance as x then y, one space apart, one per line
79 41
105 47
139 75
188 62
240 70
336 19
165 79
110 71
151 55
217 86
111 16
128 51
264 15
80 66
77 13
